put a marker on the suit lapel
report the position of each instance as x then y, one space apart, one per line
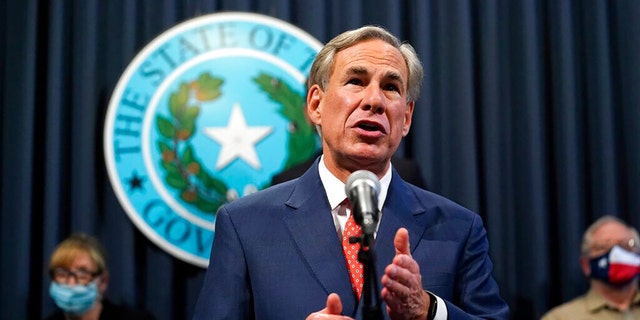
313 231
401 209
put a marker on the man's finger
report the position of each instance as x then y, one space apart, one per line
401 242
334 304
333 310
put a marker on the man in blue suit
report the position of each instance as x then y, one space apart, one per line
278 253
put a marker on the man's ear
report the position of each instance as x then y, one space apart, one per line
314 99
585 266
408 115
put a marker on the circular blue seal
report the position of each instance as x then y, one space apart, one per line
206 113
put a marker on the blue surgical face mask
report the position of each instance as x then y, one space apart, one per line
74 299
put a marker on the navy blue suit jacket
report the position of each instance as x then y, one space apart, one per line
276 254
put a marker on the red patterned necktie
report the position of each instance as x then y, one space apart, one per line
352 229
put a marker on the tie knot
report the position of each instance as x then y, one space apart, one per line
352 229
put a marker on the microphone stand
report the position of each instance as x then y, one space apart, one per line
371 310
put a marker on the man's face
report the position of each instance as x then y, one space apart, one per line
610 234
604 238
363 111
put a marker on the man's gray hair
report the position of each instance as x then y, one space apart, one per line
587 238
323 63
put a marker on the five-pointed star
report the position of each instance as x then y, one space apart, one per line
135 182
237 140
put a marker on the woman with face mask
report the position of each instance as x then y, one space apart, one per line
79 279
611 260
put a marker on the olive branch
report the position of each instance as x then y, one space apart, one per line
301 141
183 169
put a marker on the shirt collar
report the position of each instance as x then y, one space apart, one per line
596 302
334 188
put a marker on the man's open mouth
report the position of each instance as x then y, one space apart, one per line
370 126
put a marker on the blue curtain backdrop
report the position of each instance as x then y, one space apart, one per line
530 115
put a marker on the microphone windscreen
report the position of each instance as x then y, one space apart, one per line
360 177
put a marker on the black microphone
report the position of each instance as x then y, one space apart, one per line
362 190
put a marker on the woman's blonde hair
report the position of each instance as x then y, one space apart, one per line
69 249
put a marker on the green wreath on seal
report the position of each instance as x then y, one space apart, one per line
301 141
184 171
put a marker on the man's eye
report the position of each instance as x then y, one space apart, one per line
354 81
391 87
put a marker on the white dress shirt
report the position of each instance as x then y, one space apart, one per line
336 194
334 188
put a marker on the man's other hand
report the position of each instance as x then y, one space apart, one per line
332 311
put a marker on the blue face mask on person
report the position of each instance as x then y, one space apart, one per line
74 299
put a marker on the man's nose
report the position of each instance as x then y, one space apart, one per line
374 99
